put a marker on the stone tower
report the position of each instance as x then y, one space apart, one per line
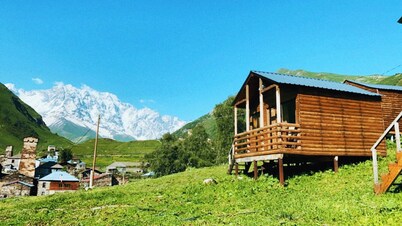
9 151
28 157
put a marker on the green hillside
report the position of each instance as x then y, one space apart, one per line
206 120
109 151
375 79
18 120
311 198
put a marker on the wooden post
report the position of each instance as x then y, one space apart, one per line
375 165
255 170
247 108
261 105
397 137
91 181
278 105
336 164
281 174
235 120
236 169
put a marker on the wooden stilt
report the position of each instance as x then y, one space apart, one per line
336 164
255 170
281 174
236 169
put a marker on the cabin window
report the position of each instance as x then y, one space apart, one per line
44 185
60 185
289 111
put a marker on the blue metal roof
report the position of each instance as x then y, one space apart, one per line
312 82
20 182
378 86
59 176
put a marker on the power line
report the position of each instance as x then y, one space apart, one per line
391 69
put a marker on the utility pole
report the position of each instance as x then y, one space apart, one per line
91 181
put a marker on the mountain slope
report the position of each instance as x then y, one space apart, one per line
310 198
70 111
18 120
206 120
395 80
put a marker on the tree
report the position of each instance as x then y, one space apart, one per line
168 158
65 155
198 148
224 117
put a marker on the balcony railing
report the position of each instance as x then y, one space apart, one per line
273 139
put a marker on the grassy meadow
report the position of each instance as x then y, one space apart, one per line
311 198
109 151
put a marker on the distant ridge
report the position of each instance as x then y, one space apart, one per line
375 79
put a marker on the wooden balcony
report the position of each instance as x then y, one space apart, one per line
270 140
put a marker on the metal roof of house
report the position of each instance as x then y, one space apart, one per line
59 176
312 82
57 166
20 182
123 165
377 86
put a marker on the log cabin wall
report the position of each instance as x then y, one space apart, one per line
339 124
391 103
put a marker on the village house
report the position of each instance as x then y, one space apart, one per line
21 182
57 181
291 119
10 163
16 185
100 180
124 167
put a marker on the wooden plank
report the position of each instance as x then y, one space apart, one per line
259 158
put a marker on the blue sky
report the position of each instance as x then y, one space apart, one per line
182 57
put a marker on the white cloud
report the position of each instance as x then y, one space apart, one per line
37 81
143 101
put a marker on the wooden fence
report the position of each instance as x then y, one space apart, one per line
273 139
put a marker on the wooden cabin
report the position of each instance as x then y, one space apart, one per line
391 98
291 116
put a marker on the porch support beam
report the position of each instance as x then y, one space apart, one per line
255 170
278 105
336 165
397 137
268 88
281 174
240 102
247 108
235 120
261 106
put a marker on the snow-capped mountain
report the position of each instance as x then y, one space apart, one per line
71 111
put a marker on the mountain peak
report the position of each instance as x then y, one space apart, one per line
68 110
